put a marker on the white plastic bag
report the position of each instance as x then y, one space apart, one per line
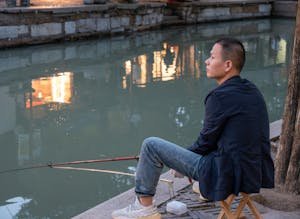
176 207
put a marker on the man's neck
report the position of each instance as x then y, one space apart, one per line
228 76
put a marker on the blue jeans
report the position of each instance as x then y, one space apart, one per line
157 152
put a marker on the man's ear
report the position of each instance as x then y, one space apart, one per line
228 65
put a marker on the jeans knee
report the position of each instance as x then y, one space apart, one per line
149 142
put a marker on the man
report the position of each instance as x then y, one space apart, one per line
232 152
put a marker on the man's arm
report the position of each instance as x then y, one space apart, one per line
214 121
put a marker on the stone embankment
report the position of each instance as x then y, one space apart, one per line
35 25
39 25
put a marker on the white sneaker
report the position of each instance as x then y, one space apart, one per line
137 211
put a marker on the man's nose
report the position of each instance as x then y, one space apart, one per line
206 62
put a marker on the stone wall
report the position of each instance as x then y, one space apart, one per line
34 25
285 8
210 10
39 25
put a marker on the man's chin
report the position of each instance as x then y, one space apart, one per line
208 75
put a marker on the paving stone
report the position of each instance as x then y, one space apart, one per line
214 12
70 27
118 30
12 31
146 20
265 8
86 25
103 24
125 21
153 19
138 20
115 22
46 29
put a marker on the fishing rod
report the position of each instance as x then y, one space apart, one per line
170 183
51 165
105 171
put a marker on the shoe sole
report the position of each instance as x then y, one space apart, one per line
154 216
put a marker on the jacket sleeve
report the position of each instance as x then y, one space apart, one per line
214 121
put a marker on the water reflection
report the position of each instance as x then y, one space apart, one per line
101 98
52 89
175 61
167 64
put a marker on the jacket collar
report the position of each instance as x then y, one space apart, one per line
230 80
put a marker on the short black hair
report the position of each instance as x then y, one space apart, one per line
233 49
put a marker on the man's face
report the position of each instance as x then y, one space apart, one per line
215 65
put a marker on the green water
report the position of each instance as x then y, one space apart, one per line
100 98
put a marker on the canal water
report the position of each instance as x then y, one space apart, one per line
100 98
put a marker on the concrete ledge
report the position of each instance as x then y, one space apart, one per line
275 129
104 210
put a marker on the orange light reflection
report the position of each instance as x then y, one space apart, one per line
55 89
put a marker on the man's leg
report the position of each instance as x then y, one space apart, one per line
155 153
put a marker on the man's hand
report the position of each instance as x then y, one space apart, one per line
176 174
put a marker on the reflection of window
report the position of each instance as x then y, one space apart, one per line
281 53
168 64
54 89
142 61
164 65
137 68
157 65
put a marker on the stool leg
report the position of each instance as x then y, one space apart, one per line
226 208
251 206
225 205
240 207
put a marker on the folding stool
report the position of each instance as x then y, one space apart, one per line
226 211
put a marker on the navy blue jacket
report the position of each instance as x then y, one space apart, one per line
234 141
